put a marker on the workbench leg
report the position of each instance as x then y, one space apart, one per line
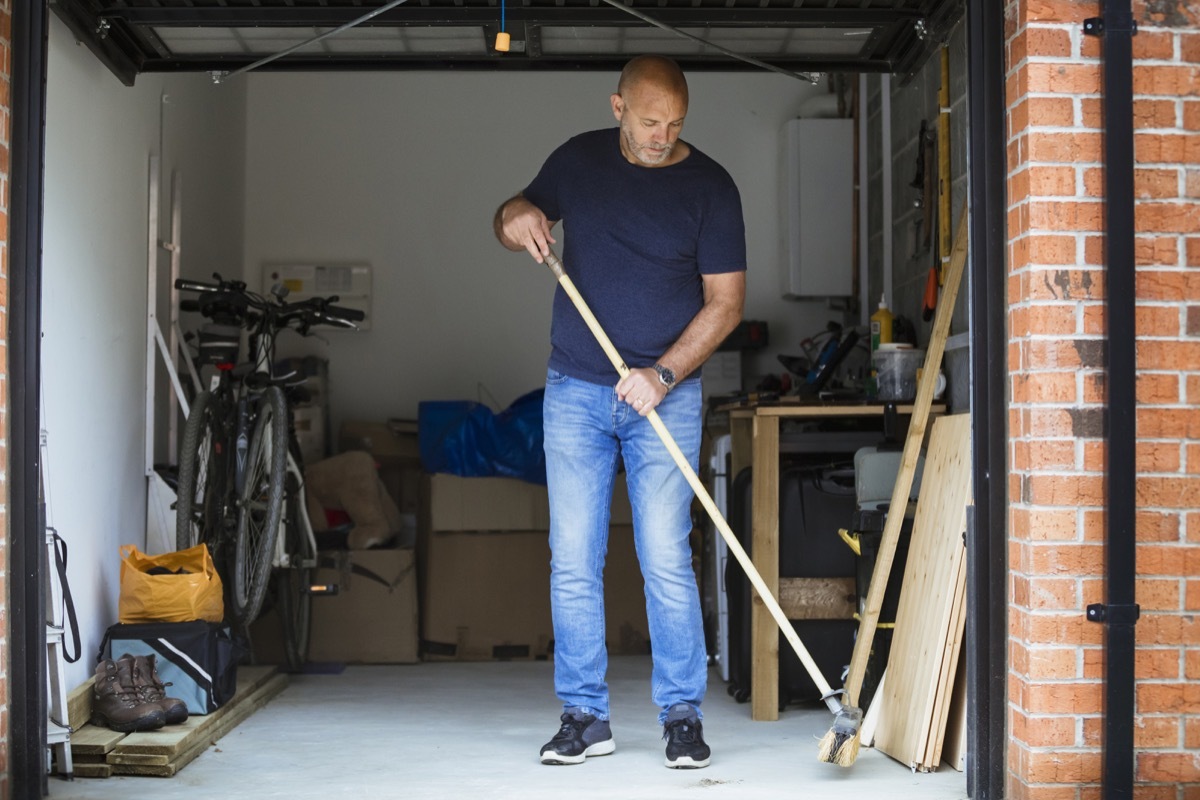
764 552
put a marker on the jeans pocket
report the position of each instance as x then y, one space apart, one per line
554 377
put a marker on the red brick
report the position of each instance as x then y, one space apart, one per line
1049 454
1167 559
1167 492
1156 732
1157 320
1155 354
1066 78
1160 594
1171 81
1153 114
1168 284
1158 457
1058 766
1089 216
1157 250
1179 698
1165 148
1151 45
1171 767
1052 181
1158 388
1069 148
1192 248
1066 559
1065 284
1155 184
1051 249
1051 112
1191 186
1057 11
1191 115
1049 525
1051 663
1191 733
1172 217
1048 42
1189 47
1091 113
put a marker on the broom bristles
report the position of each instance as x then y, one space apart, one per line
840 745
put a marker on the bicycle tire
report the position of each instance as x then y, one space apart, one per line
260 506
199 507
293 601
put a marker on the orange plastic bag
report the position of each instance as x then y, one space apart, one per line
187 586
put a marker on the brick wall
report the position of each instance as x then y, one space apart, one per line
5 138
1056 355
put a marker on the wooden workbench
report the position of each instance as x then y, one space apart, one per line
754 442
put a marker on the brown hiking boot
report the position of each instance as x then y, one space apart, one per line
151 689
115 700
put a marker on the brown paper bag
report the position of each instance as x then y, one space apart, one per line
189 589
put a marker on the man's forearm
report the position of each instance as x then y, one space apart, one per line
702 336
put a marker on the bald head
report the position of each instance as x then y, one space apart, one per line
653 72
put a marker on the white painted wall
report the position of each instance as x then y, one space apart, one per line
405 170
99 136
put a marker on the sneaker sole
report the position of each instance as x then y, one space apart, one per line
598 749
685 763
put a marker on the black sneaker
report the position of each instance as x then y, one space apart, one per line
581 735
685 743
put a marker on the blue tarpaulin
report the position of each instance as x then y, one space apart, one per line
466 438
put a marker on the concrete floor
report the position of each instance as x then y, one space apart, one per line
467 730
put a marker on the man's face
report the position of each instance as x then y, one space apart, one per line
651 120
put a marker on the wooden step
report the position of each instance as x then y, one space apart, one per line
165 751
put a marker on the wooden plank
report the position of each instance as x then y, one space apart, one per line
79 704
922 404
817 598
955 751
89 770
174 739
764 553
94 740
949 666
871 718
929 615
260 697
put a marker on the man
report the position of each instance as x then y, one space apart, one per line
656 246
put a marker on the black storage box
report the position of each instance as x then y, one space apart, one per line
198 659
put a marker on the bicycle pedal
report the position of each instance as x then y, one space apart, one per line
323 589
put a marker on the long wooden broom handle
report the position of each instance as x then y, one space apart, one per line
908 464
681 461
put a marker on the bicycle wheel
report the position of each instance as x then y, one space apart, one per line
199 509
260 507
293 602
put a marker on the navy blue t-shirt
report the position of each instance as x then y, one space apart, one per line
635 242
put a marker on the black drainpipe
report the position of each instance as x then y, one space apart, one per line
26 536
1120 613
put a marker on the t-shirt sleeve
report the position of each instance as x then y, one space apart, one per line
543 191
722 244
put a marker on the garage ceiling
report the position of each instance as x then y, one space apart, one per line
222 36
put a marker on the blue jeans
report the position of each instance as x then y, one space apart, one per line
587 432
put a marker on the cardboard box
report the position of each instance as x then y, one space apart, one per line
372 619
451 503
486 595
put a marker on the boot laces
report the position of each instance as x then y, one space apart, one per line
570 728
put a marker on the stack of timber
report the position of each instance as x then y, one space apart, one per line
931 615
99 752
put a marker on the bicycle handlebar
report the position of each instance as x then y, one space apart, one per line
280 313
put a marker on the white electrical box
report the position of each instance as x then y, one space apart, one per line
817 203
350 282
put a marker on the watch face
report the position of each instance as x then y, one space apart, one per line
665 375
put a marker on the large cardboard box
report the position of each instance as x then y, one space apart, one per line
485 571
371 620
451 503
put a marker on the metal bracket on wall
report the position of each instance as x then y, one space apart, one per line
1095 26
1116 614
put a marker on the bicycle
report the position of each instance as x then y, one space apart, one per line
240 479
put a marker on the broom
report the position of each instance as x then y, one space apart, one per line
840 746
846 718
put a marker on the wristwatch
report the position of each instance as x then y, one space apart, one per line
666 376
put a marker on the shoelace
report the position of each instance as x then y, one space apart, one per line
682 730
570 727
